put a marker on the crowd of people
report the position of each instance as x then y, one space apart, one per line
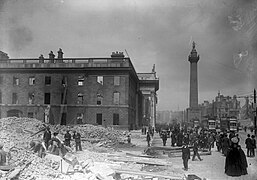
227 143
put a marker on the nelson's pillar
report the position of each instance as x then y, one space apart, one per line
193 112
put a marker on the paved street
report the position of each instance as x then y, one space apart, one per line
212 166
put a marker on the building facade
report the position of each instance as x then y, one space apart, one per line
101 91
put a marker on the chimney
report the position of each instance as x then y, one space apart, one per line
60 56
51 57
3 57
41 58
117 56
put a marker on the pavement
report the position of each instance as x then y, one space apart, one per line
212 166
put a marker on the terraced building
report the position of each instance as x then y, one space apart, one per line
102 91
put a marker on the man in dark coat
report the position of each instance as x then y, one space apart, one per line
233 163
226 143
253 146
173 138
185 156
195 149
148 139
47 137
77 138
67 139
248 143
180 138
164 138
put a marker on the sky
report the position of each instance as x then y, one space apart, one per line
157 32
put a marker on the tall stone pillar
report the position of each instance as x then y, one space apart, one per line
193 112
193 58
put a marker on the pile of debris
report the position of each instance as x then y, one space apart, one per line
105 137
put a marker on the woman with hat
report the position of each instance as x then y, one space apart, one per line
233 163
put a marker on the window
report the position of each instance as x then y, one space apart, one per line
0 97
80 98
80 81
30 114
31 98
116 119
116 80
100 80
14 98
80 118
1 79
47 80
31 80
116 97
99 119
65 101
16 81
64 81
99 99
47 98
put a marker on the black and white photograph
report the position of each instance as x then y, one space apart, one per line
128 89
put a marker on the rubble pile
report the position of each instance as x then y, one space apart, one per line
16 132
106 137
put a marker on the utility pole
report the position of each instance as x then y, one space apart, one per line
255 109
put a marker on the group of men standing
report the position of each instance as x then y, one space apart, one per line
250 145
53 144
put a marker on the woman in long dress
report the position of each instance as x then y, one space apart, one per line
233 164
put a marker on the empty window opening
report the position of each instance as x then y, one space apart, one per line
116 97
31 98
80 81
116 80
32 80
80 118
14 98
99 120
47 98
47 80
116 119
30 114
99 99
100 80
16 81
80 98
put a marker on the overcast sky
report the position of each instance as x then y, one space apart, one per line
156 32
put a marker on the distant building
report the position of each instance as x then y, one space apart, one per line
221 107
170 117
101 91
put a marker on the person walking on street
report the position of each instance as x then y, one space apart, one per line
77 138
195 149
164 138
185 156
148 139
47 137
248 143
253 146
67 138
173 138
226 143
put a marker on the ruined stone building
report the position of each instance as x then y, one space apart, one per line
57 90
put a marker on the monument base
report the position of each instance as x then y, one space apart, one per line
194 116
